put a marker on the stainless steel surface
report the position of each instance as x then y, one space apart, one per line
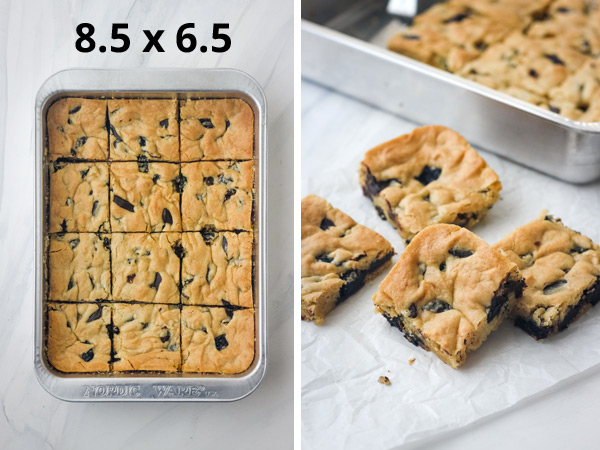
158 83
344 49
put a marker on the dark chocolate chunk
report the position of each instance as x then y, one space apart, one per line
228 194
221 342
533 73
554 109
63 226
116 135
222 179
179 183
227 124
74 243
562 10
481 46
413 310
142 164
501 296
324 258
84 173
373 186
326 223
71 284
106 243
553 287
112 330
95 207
95 315
380 213
130 278
224 244
209 181
164 123
121 202
81 141
577 249
437 306
555 59
413 338
443 266
166 337
155 178
583 107
167 217
532 329
229 308
74 110
353 281
157 280
460 252
458 17
206 123
428 174
88 356
142 141
178 250
209 233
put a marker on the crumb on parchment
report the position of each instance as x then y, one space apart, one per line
411 361
385 380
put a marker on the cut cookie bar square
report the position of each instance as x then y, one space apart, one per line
525 67
146 267
429 176
448 291
216 129
338 256
217 340
78 338
562 271
77 129
217 194
78 197
217 269
144 196
146 337
143 128
79 267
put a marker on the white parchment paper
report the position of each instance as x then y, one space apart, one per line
343 405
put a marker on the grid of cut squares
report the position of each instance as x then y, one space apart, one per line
117 248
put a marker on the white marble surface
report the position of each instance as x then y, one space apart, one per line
37 39
561 415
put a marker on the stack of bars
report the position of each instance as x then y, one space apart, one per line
150 235
546 52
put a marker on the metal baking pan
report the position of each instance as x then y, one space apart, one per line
344 48
159 83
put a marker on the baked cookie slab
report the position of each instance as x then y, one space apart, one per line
145 267
217 194
448 291
145 196
429 176
562 271
79 267
78 198
146 338
217 269
338 256
217 340
216 129
143 128
77 129
78 338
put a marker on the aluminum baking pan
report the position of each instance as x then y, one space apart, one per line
343 47
159 83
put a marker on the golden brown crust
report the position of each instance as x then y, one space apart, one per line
77 129
443 288
78 197
218 194
216 129
217 340
559 266
151 198
429 176
337 255
79 267
143 128
217 269
78 338
145 267
146 337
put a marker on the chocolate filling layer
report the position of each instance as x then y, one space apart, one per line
590 296
355 279
413 338
502 295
